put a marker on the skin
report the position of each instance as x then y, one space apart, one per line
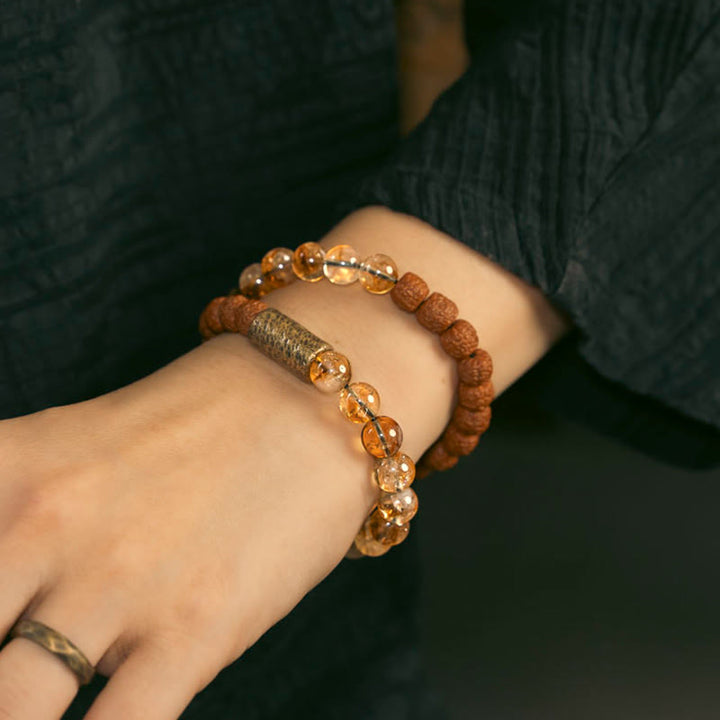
164 527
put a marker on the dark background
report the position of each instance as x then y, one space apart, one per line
568 576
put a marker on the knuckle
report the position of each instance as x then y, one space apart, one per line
44 506
197 610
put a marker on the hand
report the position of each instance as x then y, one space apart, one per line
165 527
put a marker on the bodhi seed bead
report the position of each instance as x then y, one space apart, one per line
330 371
341 265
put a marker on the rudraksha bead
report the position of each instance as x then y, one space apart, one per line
409 291
476 368
438 458
437 313
460 339
228 311
459 443
205 332
475 397
245 314
212 315
472 422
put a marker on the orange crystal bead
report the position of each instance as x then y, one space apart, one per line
276 266
366 544
307 262
399 507
386 531
378 274
381 436
394 473
359 402
252 283
330 371
341 265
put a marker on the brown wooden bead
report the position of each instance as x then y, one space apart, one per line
475 397
438 458
211 313
228 311
246 313
205 332
476 368
472 422
460 339
409 291
457 442
437 313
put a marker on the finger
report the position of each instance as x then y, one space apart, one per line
34 683
152 684
21 581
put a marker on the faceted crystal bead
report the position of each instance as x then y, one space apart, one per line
378 274
330 371
342 265
359 402
307 262
386 531
399 507
394 473
252 283
277 268
381 436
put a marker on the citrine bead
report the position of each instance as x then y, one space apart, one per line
307 262
385 531
359 402
252 282
341 265
381 436
399 507
330 371
368 545
378 274
276 266
394 473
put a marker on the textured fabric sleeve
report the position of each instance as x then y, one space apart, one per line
583 155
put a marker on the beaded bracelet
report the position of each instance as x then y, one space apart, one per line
315 361
378 274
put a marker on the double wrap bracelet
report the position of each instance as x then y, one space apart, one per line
315 361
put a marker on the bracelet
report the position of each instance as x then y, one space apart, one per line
315 361
378 274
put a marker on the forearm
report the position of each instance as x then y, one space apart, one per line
516 324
